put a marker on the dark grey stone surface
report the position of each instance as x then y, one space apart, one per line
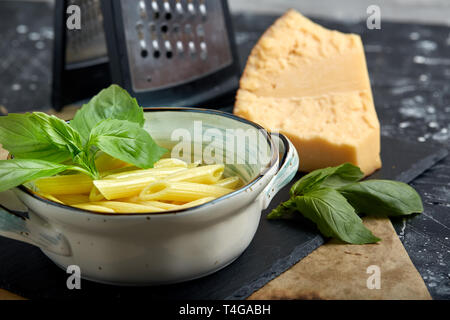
409 67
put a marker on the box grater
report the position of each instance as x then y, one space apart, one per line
164 52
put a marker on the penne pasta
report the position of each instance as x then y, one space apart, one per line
127 207
131 183
64 184
181 191
70 199
171 184
93 207
170 162
50 197
95 195
231 182
105 162
153 172
196 202
117 171
194 164
158 204
204 174
113 189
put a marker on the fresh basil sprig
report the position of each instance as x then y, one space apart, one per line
22 136
327 177
382 197
44 145
333 197
111 103
126 141
18 171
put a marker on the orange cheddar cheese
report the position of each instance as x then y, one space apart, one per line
312 84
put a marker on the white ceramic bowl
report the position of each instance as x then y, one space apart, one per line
147 249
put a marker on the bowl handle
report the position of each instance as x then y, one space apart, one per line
287 169
29 227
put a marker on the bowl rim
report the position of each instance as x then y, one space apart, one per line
269 166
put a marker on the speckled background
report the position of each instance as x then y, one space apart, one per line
409 65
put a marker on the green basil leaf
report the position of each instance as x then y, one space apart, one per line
334 216
111 103
285 210
15 172
383 197
59 133
126 141
23 136
331 177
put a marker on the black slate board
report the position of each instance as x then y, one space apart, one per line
276 247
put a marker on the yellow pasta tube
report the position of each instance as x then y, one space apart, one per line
65 184
204 174
160 204
127 207
95 195
230 182
181 191
105 162
50 197
153 172
122 188
194 164
117 171
131 183
93 207
170 162
71 199
196 202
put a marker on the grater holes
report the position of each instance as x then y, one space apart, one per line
144 53
192 49
180 47
156 54
200 30
191 8
168 49
142 9
179 8
152 27
176 28
168 16
188 28
164 28
155 9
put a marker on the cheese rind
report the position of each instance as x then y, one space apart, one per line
312 84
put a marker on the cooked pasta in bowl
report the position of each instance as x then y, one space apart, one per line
194 212
171 184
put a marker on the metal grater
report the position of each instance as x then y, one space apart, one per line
170 43
164 52
80 57
89 43
171 52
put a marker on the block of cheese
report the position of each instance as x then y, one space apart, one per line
312 84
